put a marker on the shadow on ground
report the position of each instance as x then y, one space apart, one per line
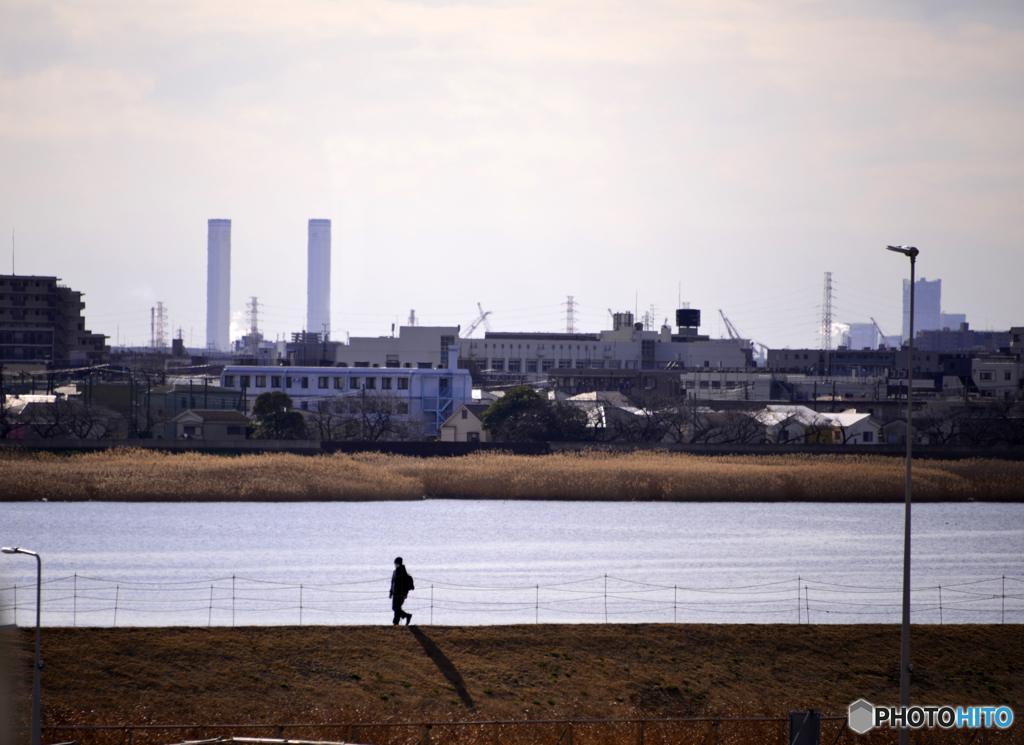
443 664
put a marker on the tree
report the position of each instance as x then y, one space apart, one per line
523 415
274 418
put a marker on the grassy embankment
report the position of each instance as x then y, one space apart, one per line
143 475
272 675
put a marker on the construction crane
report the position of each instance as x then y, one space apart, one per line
881 335
482 318
735 334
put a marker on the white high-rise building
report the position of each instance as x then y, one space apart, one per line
318 287
218 285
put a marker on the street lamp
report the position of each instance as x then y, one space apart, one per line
37 716
905 666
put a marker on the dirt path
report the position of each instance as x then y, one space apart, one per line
371 673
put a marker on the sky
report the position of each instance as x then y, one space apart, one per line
636 155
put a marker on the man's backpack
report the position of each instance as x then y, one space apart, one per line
409 586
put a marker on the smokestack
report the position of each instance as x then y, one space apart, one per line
318 286
218 285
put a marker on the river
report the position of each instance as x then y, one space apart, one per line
494 562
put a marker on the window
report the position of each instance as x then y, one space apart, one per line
472 437
287 381
514 365
245 381
546 365
564 364
403 408
275 381
305 405
403 384
580 364
234 430
261 381
371 384
339 384
1006 375
869 437
305 382
531 366
986 375
229 381
465 414
190 430
354 383
322 382
498 365
385 384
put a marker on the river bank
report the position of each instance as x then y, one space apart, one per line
133 475
261 675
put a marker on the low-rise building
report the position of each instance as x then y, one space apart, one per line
465 425
430 396
202 424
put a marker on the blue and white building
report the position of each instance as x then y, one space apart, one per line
427 395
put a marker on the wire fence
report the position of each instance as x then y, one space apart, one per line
78 600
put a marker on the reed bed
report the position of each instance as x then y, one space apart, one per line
131 475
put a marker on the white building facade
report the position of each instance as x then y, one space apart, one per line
427 395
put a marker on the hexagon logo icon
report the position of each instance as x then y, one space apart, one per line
861 716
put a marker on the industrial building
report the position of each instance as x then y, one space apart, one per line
218 285
529 357
41 322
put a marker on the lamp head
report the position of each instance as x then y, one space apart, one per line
905 250
9 550
16 550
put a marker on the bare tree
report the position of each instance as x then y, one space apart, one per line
367 416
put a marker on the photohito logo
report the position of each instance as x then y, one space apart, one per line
863 716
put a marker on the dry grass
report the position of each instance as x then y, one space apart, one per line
146 475
337 675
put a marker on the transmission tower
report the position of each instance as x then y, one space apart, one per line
157 324
570 315
826 314
412 318
254 313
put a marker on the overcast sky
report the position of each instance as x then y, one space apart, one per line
631 154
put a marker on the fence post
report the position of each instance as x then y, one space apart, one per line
232 601
431 605
300 605
209 618
606 598
1003 612
15 603
807 605
798 599
675 592
74 612
497 729
117 596
641 732
940 605
536 607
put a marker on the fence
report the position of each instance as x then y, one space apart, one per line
682 731
229 601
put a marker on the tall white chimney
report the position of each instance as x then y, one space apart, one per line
318 286
218 285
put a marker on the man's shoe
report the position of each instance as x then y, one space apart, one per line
408 618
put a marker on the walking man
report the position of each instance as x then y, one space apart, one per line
401 584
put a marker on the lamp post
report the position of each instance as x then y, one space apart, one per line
37 717
905 666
